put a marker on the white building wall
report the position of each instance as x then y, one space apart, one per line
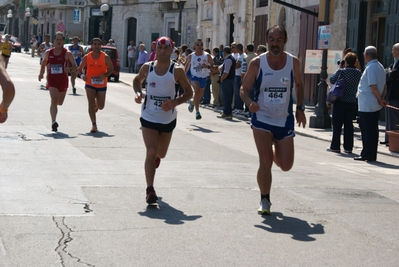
214 21
293 22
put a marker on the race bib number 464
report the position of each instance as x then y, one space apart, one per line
275 95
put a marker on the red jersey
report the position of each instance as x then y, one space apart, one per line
56 75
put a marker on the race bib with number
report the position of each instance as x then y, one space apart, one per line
96 80
275 95
156 102
198 68
56 69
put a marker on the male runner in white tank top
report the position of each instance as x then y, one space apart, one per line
199 63
158 112
273 75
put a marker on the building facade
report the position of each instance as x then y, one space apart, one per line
126 20
355 24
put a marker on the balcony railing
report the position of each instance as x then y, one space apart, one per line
58 3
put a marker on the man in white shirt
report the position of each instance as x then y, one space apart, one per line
131 55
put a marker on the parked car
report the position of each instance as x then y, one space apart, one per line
112 52
16 44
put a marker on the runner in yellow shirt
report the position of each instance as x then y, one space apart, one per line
6 49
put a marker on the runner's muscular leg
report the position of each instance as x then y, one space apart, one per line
101 99
151 141
284 153
163 144
61 98
54 102
196 99
73 78
263 142
91 99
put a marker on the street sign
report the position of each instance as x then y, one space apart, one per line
323 37
60 27
35 22
314 58
76 15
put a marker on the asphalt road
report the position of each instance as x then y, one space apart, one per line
74 198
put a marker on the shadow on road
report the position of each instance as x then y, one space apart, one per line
98 134
58 135
202 129
167 213
299 229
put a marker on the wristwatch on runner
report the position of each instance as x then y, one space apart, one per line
301 107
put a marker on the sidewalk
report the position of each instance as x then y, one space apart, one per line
321 134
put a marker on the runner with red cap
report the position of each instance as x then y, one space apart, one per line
158 112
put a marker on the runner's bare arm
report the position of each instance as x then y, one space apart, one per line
300 94
8 90
138 81
248 82
44 65
82 65
187 64
110 67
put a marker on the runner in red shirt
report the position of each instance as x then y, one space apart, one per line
57 61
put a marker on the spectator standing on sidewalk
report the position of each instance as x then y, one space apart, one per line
215 76
370 100
153 55
344 109
272 119
111 43
392 95
158 113
240 58
132 56
142 57
227 83
8 89
33 45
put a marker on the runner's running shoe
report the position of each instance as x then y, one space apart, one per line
190 106
264 206
54 126
151 197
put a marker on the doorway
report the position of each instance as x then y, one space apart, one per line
378 36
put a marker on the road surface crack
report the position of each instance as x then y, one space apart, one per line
67 259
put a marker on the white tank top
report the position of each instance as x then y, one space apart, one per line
196 65
275 92
46 47
158 89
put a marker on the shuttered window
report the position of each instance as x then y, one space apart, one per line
263 3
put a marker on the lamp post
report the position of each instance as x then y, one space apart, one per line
180 4
27 15
104 8
321 119
9 16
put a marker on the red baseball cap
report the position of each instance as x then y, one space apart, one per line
164 41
